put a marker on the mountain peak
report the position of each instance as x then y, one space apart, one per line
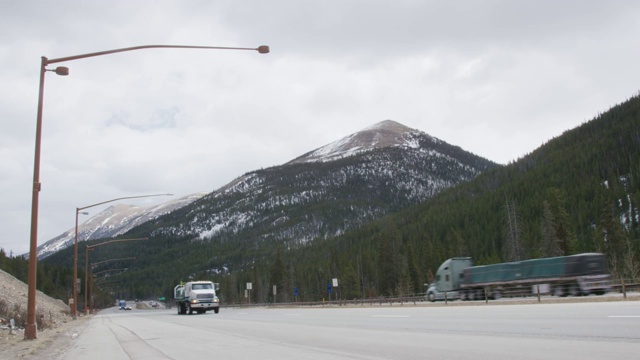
383 134
389 126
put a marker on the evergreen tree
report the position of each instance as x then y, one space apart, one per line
3 259
560 221
512 249
386 267
613 238
349 282
278 274
550 243
403 285
413 270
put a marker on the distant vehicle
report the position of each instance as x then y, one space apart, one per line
123 305
575 275
198 296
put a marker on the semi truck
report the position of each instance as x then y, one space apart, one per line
575 275
198 296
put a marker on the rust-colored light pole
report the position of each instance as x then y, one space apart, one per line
30 331
86 263
91 309
74 308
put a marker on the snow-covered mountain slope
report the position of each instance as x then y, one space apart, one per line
383 134
361 177
113 221
381 169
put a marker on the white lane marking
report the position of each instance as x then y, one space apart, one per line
624 316
390 316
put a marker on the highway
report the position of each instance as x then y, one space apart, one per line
583 330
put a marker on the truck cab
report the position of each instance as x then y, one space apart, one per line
198 296
122 305
448 279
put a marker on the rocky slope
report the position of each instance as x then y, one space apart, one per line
56 330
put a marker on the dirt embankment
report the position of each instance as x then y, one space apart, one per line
56 329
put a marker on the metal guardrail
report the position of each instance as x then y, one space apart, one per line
619 286
404 300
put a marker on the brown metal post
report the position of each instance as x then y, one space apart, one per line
86 277
30 331
74 308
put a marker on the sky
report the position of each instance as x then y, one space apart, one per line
497 78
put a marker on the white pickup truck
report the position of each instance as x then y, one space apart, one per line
198 296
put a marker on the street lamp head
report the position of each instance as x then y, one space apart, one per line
263 49
62 70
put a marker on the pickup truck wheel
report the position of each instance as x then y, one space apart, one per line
190 309
216 310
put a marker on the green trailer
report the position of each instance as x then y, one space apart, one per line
579 274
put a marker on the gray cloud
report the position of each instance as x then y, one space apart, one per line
498 78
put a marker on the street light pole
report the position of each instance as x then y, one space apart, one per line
86 263
74 308
30 331
30 327
92 278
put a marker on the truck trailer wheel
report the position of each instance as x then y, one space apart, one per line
574 290
431 296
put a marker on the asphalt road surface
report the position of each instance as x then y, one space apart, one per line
598 330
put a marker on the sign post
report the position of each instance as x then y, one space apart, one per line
275 292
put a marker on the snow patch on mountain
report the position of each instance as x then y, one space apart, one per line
383 134
113 221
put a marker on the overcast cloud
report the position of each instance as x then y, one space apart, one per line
497 78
